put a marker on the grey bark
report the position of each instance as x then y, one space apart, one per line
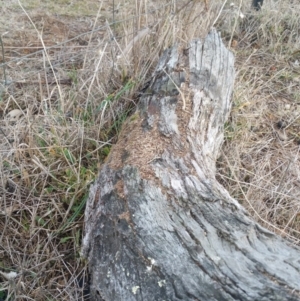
158 226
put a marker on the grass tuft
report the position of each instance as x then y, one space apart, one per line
259 164
74 75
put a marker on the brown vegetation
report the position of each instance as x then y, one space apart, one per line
75 78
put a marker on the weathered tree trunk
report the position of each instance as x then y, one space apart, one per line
158 226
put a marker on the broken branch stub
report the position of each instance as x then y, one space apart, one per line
158 226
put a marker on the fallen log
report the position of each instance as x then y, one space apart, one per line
158 226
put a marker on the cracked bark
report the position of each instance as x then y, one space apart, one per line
158 226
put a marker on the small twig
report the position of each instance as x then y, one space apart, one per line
235 24
9 140
91 35
113 38
219 14
155 158
3 62
180 92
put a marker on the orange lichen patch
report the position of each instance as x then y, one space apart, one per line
138 148
97 195
120 188
126 216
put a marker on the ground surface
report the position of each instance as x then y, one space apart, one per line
71 77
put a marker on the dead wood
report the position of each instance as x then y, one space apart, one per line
158 226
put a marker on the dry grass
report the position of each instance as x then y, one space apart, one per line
74 71
260 164
69 83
